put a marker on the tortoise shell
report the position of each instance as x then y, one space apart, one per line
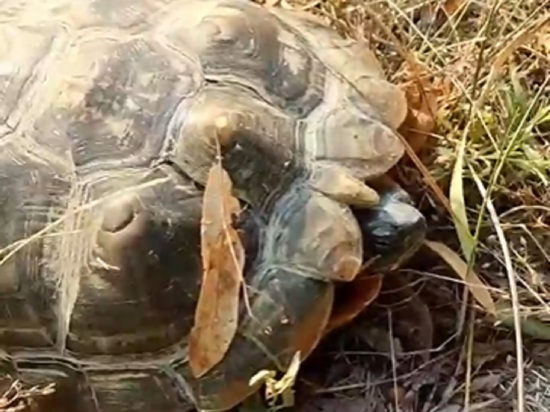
109 117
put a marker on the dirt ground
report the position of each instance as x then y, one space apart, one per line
427 343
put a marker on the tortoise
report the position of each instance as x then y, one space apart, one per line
110 117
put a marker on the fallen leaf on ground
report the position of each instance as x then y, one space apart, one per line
352 299
434 16
424 93
470 277
216 315
452 6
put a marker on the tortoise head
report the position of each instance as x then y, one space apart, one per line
393 230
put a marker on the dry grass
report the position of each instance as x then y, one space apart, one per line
19 397
485 64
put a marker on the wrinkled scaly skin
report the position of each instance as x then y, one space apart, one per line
109 113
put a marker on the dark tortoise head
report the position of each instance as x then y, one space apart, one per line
393 231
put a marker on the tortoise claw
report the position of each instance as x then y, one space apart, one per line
339 184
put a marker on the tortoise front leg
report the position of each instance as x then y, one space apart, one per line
310 240
289 313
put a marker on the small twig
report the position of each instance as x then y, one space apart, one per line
469 356
393 360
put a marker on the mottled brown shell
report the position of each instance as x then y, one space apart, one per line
109 115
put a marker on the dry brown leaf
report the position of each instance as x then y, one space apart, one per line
471 279
425 94
436 15
417 126
352 299
216 315
452 6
